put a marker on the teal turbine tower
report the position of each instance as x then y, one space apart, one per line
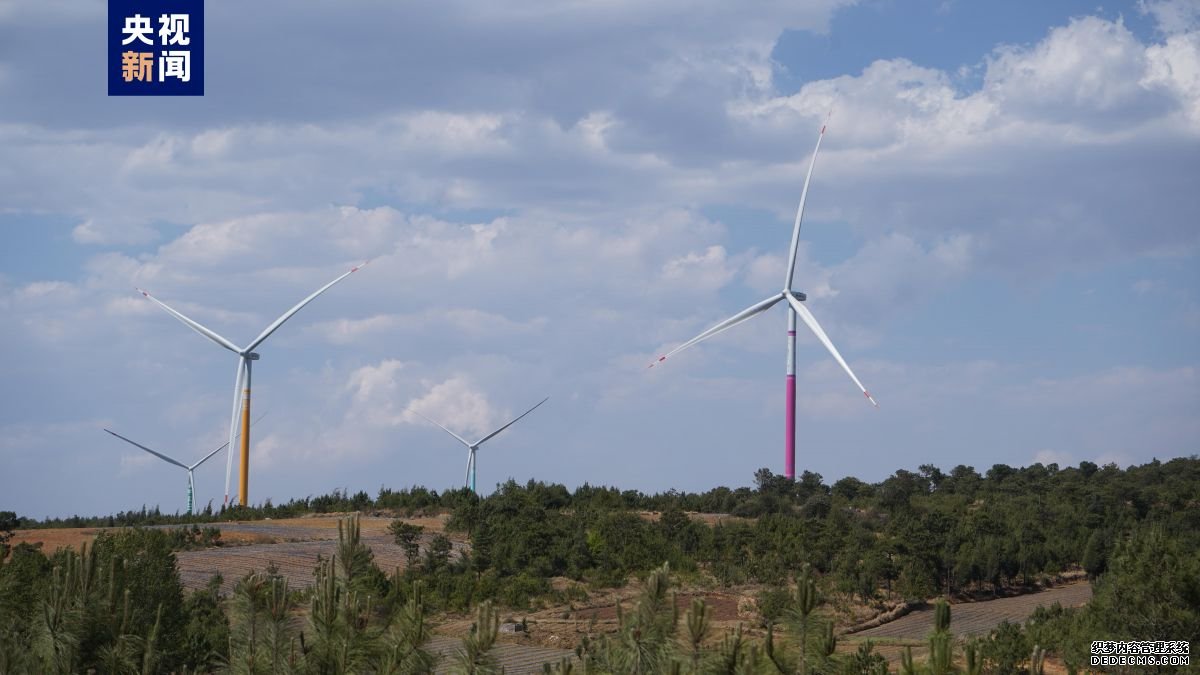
472 447
171 460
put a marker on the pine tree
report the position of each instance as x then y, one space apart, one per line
941 643
403 649
697 622
474 657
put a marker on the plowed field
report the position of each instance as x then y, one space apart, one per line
977 618
297 543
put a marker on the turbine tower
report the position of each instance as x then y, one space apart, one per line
796 308
472 447
189 469
241 383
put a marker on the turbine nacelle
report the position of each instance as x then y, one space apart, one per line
473 447
241 383
171 460
797 310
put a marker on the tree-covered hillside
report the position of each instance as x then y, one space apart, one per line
914 536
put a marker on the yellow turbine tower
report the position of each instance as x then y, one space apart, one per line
241 386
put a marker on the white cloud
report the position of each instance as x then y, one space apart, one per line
907 152
1174 67
1084 74
1048 456
707 271
46 291
533 206
457 404
374 390
91 232
384 395
1172 16
468 321
269 450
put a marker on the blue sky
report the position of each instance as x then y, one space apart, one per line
1001 239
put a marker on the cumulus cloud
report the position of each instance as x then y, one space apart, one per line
1172 16
533 211
375 389
707 270
1087 74
457 404
908 151
386 395
91 232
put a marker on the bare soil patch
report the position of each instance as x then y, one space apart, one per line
722 607
977 618
709 519
52 540
239 532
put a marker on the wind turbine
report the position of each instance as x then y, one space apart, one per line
472 447
189 469
246 356
796 308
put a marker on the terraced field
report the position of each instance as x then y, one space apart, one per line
293 546
515 659
299 542
976 618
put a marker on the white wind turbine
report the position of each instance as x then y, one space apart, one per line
185 467
796 307
246 355
472 447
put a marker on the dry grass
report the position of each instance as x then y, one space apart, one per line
52 540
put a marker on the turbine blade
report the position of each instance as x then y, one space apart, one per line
206 457
732 321
156 454
791 267
233 424
512 422
816 329
211 335
223 446
288 314
460 438
470 460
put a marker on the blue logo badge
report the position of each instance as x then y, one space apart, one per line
155 47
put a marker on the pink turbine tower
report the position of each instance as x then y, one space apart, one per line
796 308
